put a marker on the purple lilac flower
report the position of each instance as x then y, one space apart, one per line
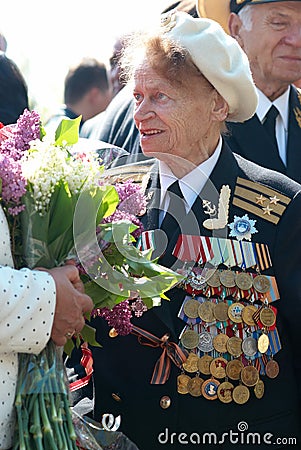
119 317
132 198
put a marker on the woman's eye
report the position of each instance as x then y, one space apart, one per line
161 96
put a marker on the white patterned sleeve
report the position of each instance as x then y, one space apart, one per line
27 300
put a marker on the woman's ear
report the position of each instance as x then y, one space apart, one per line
220 109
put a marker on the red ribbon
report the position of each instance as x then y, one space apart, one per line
87 362
170 352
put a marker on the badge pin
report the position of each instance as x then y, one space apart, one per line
242 228
221 220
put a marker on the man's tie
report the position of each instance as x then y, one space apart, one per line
270 123
176 210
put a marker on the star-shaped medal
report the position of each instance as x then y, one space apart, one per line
242 228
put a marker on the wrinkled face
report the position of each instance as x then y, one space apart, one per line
273 45
172 119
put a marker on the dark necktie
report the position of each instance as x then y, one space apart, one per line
176 210
270 123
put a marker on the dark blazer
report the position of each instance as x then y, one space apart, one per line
250 140
123 367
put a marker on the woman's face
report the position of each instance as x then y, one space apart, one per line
173 119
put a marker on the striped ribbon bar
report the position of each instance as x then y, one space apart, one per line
171 352
146 241
193 248
87 363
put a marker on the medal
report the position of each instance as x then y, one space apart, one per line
220 342
218 367
263 343
190 339
224 392
182 381
234 346
272 368
267 317
209 389
243 281
235 312
194 386
220 311
249 346
242 228
205 342
249 375
234 368
259 389
261 284
227 278
191 363
241 394
191 308
205 311
212 278
247 315
204 364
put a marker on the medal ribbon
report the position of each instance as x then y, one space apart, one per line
146 241
87 363
249 257
170 352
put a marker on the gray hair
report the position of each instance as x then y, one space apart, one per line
246 17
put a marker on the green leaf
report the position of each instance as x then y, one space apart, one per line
68 131
88 335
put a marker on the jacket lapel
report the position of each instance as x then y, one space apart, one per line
294 136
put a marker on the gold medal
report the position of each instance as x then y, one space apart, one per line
220 342
205 311
241 394
234 346
190 339
194 386
209 389
249 375
227 278
182 382
261 284
263 343
235 312
247 315
220 311
191 363
212 278
259 389
204 364
234 368
190 308
267 317
244 281
272 368
224 392
218 367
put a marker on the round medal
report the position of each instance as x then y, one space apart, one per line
234 346
220 342
197 279
227 278
182 381
234 368
244 281
241 394
191 363
224 392
212 278
249 375
261 283
220 311
247 315
263 343
272 368
205 342
267 317
205 311
194 386
190 308
218 367
249 346
209 389
259 389
190 339
204 364
235 312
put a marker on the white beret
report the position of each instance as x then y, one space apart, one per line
219 58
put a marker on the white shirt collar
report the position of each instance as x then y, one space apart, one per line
192 183
281 104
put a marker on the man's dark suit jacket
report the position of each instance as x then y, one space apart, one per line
123 367
250 140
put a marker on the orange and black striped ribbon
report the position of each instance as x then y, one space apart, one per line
171 352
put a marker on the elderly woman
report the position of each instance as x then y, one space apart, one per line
220 362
